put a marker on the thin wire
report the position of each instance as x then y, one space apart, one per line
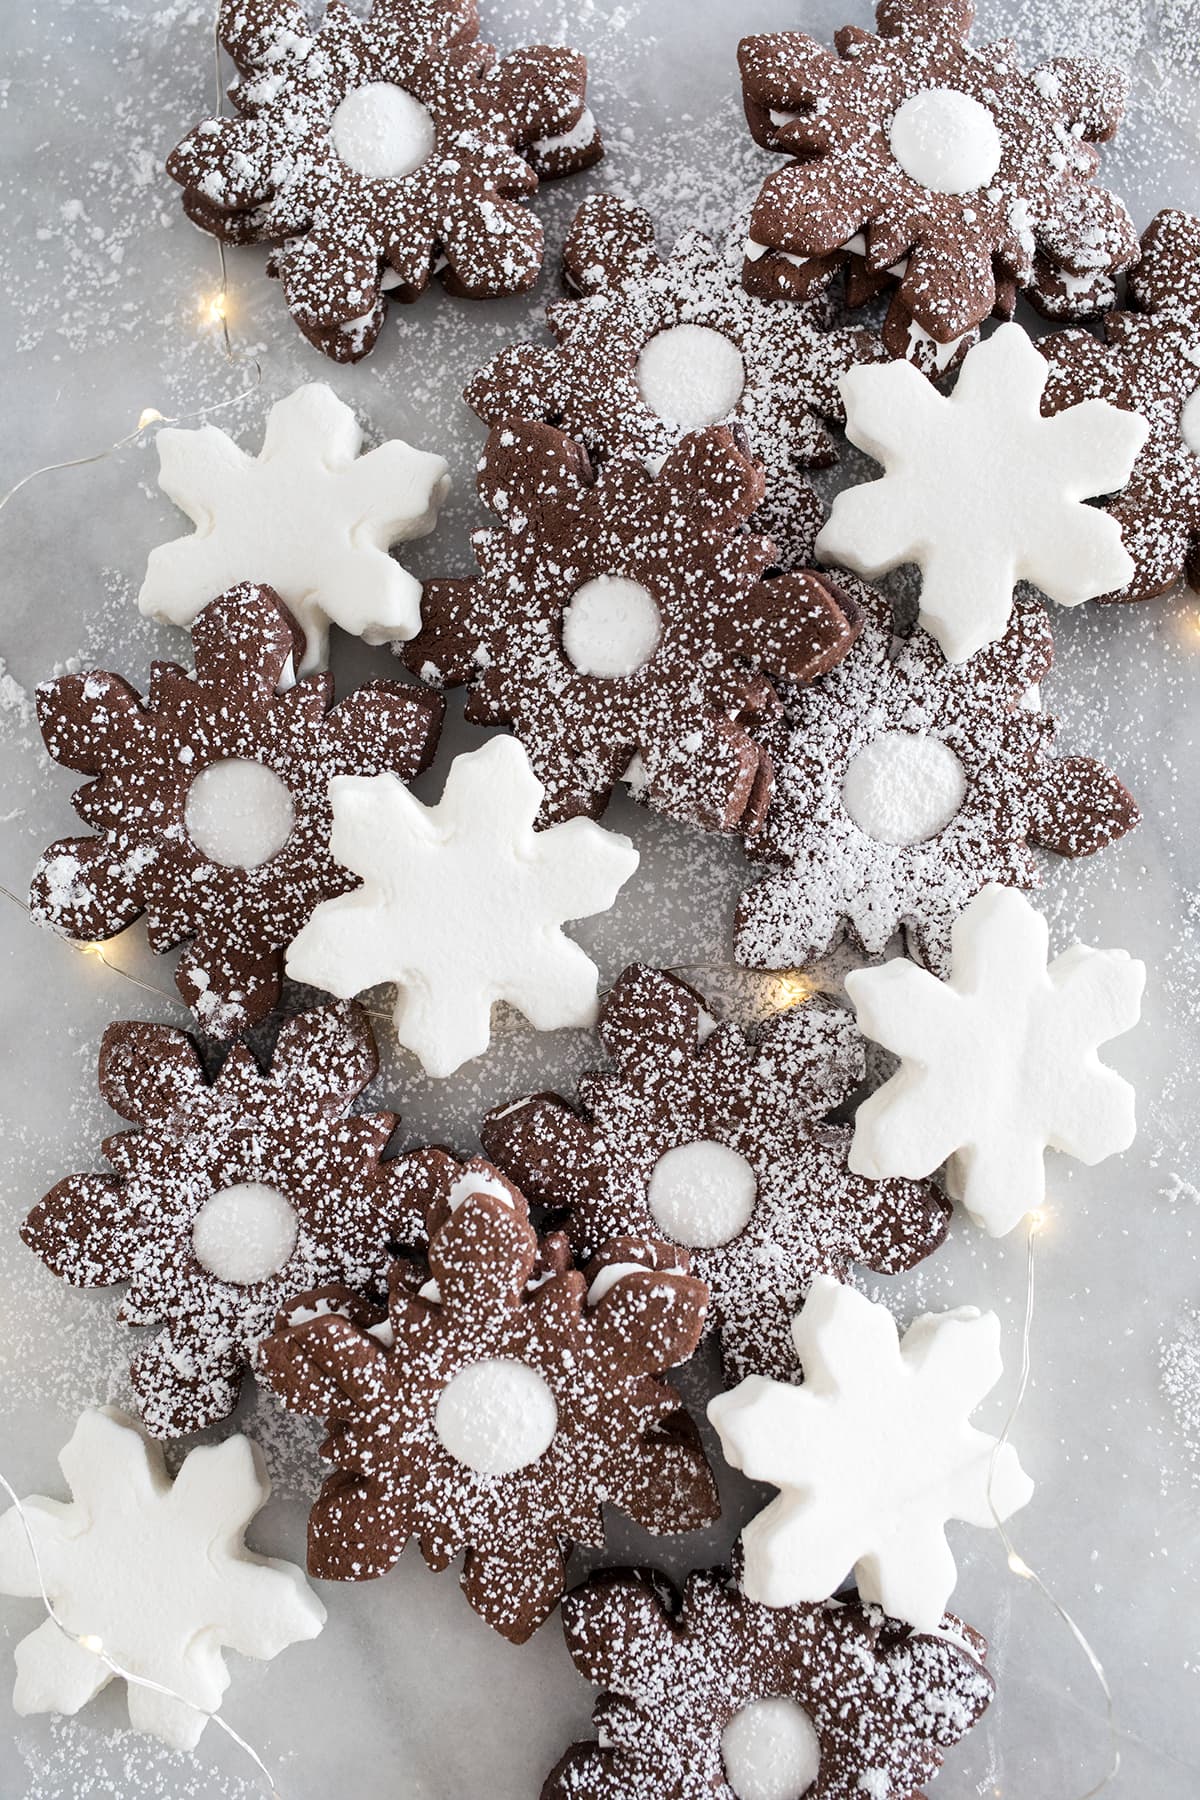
97 950
94 1646
131 437
1018 1563
220 107
219 310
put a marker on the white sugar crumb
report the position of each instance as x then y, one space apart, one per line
106 304
74 1761
1179 1379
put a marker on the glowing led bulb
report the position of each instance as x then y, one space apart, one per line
789 990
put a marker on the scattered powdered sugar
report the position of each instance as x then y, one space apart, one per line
70 1760
113 300
15 703
1179 1378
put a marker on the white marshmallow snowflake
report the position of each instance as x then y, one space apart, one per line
462 904
872 1456
308 517
999 1062
154 1572
981 490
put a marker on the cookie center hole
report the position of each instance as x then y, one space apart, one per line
903 787
238 813
611 626
382 131
1189 422
691 376
771 1751
244 1233
702 1194
946 141
496 1416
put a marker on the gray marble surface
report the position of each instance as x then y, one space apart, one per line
103 288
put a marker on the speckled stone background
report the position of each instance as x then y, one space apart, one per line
103 290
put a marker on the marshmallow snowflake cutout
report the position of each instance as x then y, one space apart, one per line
999 1062
981 490
873 1455
309 516
462 904
152 1572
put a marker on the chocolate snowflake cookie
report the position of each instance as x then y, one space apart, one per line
381 150
655 347
942 162
904 784
210 803
621 624
1149 363
707 1695
492 1415
713 1139
231 1196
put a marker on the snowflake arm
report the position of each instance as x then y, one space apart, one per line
463 904
981 490
55 1674
309 516
873 1455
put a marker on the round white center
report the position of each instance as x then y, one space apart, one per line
382 131
903 787
946 141
496 1416
771 1751
691 376
238 813
244 1233
611 626
703 1193
1189 422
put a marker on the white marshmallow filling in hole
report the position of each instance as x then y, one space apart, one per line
771 1750
691 376
611 627
382 131
1189 422
496 1416
945 141
238 813
904 787
702 1194
245 1233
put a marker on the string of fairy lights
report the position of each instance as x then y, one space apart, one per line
783 991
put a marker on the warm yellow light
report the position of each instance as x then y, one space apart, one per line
94 1644
1019 1566
149 415
214 309
790 989
1037 1220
